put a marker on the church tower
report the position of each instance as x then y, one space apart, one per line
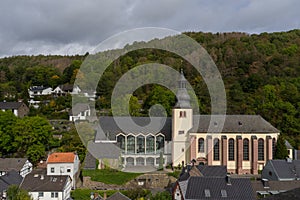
182 122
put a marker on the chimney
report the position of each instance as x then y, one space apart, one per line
228 180
104 196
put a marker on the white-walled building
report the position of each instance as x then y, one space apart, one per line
80 112
62 163
39 91
244 144
41 186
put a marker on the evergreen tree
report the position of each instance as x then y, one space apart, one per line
281 150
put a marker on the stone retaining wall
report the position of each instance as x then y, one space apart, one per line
146 181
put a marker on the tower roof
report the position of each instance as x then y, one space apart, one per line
183 98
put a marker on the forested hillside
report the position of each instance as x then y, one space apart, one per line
261 75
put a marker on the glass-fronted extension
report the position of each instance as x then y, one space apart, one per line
141 144
141 150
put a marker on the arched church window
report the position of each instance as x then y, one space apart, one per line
150 144
160 143
200 145
182 114
130 144
140 144
261 155
121 142
246 149
216 149
231 149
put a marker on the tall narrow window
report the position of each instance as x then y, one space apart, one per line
246 149
140 144
130 144
150 144
182 114
231 149
261 155
216 149
273 147
121 142
160 143
200 145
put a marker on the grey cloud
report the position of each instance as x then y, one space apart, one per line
70 26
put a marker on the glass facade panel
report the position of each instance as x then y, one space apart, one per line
140 144
121 142
160 143
150 144
130 144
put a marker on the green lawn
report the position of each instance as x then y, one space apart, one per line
175 174
83 194
110 176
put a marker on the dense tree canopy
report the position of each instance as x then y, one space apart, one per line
261 73
29 136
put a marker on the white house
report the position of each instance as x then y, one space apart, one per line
80 112
41 186
21 165
62 90
63 164
39 91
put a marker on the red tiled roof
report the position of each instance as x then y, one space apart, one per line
67 157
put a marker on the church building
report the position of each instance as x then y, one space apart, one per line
244 145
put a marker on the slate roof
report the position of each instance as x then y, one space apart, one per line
61 157
204 170
288 145
111 129
280 186
36 182
8 164
10 178
288 195
10 105
78 108
38 88
286 170
240 188
118 196
213 171
89 161
104 150
233 124
67 87
297 154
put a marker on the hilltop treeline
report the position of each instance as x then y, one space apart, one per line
261 73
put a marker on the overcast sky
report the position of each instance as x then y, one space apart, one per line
77 26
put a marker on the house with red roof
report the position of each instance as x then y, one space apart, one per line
64 163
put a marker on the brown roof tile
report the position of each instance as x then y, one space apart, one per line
67 157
